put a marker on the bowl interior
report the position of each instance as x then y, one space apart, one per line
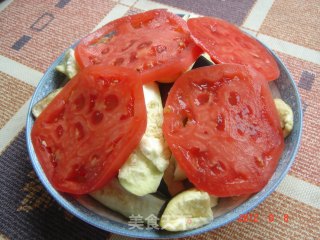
228 209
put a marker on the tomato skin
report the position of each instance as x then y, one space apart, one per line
226 43
155 43
221 124
89 130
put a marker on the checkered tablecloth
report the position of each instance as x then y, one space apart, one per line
33 33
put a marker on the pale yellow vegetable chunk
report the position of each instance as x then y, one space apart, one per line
286 116
142 172
188 210
115 197
43 103
68 66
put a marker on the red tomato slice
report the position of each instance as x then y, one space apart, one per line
157 44
222 126
89 130
225 43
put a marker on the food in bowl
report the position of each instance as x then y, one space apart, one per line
128 169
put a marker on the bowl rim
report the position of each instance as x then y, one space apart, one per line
100 223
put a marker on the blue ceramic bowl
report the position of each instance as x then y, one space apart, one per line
227 210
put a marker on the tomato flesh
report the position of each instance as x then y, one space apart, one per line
89 130
225 43
156 43
221 124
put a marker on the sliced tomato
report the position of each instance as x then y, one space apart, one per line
222 126
226 43
89 130
156 43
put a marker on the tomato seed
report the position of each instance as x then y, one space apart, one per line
43 143
150 65
80 172
95 60
103 82
254 55
129 45
202 99
53 160
118 61
220 123
247 110
57 116
178 29
105 50
59 131
111 102
266 157
201 85
79 102
241 177
160 48
79 131
218 168
213 28
139 69
97 117
144 45
234 98
182 44
130 110
240 132
49 150
92 102
182 103
185 121
259 162
94 160
133 56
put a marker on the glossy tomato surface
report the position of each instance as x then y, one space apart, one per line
156 44
222 126
89 130
226 43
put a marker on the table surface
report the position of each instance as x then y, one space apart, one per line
34 33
